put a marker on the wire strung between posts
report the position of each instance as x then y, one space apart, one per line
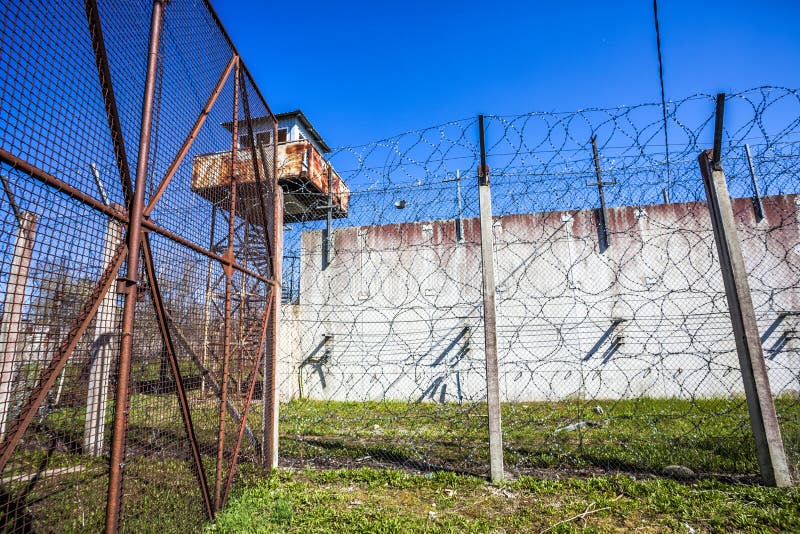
393 321
661 81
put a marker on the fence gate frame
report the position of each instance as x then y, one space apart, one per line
136 250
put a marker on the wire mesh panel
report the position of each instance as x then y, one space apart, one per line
54 254
617 348
49 274
72 134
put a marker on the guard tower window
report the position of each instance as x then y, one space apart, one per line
262 138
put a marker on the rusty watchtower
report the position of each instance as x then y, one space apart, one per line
308 181
312 190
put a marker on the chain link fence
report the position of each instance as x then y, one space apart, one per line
125 119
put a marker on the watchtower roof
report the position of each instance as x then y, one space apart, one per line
296 114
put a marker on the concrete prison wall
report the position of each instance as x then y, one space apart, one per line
397 313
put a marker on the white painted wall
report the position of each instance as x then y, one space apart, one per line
403 304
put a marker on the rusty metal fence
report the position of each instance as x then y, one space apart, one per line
614 342
137 270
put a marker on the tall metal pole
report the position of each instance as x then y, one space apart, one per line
243 301
228 269
489 316
328 221
134 243
602 214
459 221
757 204
763 419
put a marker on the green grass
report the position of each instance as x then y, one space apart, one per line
557 469
160 495
367 500
639 435
710 436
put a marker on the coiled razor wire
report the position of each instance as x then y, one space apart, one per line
617 357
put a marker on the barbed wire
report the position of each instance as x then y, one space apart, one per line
616 355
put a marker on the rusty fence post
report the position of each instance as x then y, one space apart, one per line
763 419
134 236
228 309
11 325
489 315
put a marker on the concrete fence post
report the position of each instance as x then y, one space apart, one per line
489 315
11 324
270 395
209 295
106 331
763 419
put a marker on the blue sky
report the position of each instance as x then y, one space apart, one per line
366 70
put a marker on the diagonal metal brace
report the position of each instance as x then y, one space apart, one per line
180 391
259 353
187 143
109 100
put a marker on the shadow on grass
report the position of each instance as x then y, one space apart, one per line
14 509
372 455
